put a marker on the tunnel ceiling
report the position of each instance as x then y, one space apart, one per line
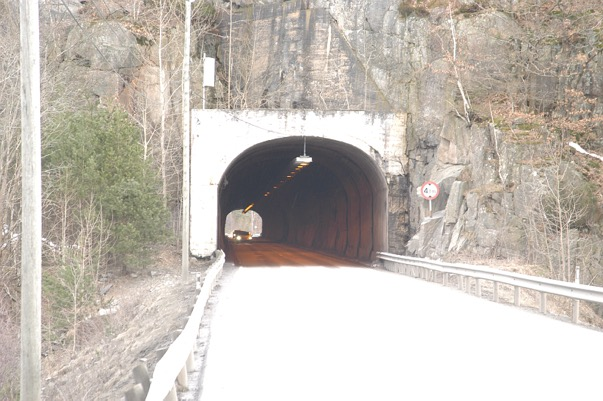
256 170
333 199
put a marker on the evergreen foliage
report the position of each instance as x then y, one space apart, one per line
95 156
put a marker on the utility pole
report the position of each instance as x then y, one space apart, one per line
186 142
228 105
31 203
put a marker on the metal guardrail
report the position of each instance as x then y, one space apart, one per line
173 367
427 269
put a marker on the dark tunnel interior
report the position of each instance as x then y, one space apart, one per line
336 204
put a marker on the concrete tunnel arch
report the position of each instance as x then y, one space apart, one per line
359 147
337 204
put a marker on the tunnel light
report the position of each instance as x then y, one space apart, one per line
248 208
303 160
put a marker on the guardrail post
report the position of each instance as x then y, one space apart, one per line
460 282
495 291
136 393
445 278
543 302
468 285
141 376
190 361
478 287
516 296
576 308
172 395
182 378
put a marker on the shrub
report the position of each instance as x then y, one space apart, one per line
408 8
100 187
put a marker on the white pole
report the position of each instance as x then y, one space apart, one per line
186 138
228 105
31 203
576 306
209 73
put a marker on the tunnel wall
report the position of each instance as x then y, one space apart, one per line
341 221
219 136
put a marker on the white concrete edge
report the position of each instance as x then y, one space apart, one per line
171 364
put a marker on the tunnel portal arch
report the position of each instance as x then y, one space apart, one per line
338 204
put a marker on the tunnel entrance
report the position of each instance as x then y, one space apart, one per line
337 203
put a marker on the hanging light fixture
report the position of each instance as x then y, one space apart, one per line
304 159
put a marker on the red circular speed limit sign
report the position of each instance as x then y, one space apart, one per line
430 190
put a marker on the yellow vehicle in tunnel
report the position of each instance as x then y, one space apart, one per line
241 235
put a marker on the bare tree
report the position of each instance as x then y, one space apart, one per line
561 200
10 191
454 62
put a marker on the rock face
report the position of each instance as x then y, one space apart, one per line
338 54
108 47
342 55
296 58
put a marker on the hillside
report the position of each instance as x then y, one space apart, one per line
149 309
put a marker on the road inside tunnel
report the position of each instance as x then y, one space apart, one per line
335 204
263 253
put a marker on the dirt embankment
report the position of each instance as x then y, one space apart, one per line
149 308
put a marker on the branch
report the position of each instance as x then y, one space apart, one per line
459 84
581 150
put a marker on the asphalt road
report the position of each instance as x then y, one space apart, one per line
355 333
261 253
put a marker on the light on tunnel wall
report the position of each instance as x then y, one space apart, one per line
248 208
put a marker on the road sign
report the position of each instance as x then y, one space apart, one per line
430 190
